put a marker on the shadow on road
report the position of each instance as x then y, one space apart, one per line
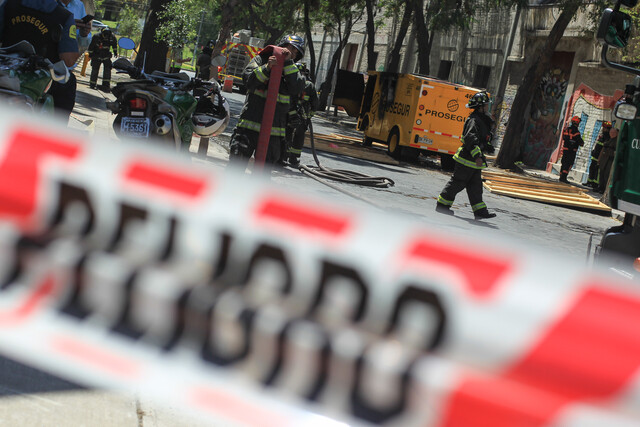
16 378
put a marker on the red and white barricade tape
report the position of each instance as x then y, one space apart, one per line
127 267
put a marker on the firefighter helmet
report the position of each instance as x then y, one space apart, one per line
575 120
303 68
478 100
295 41
606 125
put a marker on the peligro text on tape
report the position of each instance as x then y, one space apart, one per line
329 273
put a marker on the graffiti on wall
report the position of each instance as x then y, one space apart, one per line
542 128
593 108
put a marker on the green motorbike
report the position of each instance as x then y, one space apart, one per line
26 77
166 108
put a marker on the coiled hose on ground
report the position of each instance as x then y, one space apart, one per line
319 173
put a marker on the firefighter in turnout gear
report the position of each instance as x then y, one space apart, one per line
594 167
244 140
100 53
302 109
572 140
470 160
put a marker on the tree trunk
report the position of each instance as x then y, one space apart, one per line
226 25
510 148
371 36
424 47
309 40
327 85
155 52
394 56
89 7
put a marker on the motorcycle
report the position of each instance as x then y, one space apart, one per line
25 78
171 107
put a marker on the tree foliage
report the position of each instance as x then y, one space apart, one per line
631 54
130 21
179 21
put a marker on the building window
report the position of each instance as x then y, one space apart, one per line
481 78
444 70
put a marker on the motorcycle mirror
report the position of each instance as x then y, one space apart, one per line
614 29
126 43
59 72
218 61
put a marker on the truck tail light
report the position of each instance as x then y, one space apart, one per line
636 264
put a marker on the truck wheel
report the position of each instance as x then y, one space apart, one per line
447 163
393 144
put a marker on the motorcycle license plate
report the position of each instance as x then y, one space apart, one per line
135 126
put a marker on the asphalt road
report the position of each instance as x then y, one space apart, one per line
417 185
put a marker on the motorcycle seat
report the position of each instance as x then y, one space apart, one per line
176 76
21 47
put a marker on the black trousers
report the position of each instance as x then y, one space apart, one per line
244 143
64 96
296 142
568 158
95 70
593 171
464 178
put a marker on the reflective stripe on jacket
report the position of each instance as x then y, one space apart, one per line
475 135
256 80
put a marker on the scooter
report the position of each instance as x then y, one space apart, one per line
167 107
26 77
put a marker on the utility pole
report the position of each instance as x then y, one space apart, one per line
195 48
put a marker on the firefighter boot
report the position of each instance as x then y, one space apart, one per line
563 177
294 161
483 214
443 209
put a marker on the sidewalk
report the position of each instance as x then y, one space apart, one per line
90 113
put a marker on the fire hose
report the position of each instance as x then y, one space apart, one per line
342 175
318 172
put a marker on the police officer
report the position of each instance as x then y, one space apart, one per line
244 140
470 160
301 111
100 54
51 29
572 140
204 63
606 158
593 180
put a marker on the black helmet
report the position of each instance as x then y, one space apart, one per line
295 41
302 67
479 99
